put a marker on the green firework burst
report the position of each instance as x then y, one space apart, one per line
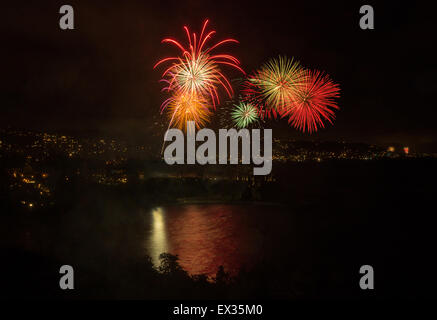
244 114
280 80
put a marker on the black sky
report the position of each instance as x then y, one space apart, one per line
99 77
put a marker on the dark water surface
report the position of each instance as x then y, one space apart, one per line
207 236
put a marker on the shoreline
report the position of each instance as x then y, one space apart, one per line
194 201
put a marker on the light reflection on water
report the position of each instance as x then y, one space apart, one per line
158 238
207 236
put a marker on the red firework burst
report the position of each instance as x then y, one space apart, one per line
314 102
197 70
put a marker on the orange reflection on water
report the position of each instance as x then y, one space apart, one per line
204 237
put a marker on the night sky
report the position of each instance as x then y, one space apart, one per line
99 79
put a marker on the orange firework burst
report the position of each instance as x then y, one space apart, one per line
196 73
183 107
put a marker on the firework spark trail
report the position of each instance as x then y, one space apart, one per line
197 71
314 102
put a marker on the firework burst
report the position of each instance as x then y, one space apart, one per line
273 88
183 107
244 114
314 102
197 71
281 87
